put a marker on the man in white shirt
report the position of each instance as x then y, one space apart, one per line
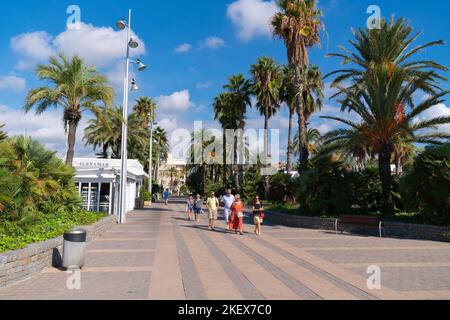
228 201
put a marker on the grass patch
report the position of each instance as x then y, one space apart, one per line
45 227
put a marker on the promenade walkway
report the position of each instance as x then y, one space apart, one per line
160 255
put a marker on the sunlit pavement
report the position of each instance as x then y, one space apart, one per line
158 254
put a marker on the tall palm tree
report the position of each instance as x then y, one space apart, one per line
75 87
105 130
102 132
222 106
161 148
288 96
311 96
3 135
267 84
240 91
173 174
145 109
384 78
298 23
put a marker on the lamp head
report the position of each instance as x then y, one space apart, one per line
134 86
141 65
133 43
121 24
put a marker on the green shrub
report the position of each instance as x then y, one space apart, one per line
253 187
426 187
146 196
38 198
45 227
331 187
282 189
217 188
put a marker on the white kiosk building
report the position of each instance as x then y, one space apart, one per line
98 182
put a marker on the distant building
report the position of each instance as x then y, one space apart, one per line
98 182
173 179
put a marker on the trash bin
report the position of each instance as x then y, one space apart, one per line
74 248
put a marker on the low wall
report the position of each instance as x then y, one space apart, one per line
391 229
21 264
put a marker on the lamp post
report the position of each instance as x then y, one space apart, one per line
150 167
131 44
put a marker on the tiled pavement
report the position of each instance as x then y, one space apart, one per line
160 255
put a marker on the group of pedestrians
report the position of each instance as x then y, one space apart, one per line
233 211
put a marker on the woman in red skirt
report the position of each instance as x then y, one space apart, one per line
237 216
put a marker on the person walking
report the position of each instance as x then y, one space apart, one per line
258 215
237 216
198 208
166 197
212 203
190 207
228 201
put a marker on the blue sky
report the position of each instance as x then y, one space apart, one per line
215 39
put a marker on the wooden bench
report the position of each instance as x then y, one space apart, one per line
367 221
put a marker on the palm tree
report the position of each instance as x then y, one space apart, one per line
298 23
102 132
75 87
222 106
106 131
3 135
161 147
173 174
288 96
311 93
383 82
240 91
267 84
32 177
145 109
313 138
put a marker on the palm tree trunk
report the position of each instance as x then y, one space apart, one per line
266 152
289 147
398 165
71 139
157 166
105 151
384 163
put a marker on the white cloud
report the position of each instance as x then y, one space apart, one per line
182 48
13 83
440 110
252 17
34 47
214 43
178 101
47 128
99 46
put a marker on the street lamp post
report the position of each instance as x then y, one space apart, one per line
131 44
150 167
